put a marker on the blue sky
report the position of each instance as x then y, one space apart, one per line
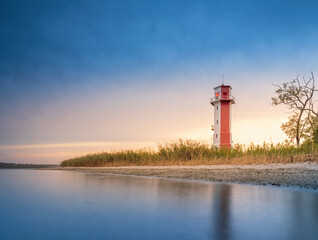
105 71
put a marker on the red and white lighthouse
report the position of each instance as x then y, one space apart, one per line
222 102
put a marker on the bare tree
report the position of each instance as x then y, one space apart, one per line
297 95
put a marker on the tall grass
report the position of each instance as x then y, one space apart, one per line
189 152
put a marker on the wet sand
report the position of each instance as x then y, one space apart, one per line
303 175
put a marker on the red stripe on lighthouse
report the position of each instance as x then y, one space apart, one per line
225 135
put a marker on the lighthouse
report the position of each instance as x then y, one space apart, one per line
222 102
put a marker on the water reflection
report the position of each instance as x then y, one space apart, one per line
59 204
221 212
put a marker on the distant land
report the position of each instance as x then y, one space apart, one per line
20 165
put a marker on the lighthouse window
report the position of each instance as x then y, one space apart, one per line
216 136
217 121
217 107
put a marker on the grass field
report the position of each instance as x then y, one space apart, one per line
189 152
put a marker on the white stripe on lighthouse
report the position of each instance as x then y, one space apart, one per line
217 124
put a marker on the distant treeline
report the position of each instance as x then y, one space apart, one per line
20 165
189 152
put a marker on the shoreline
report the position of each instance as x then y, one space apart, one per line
303 175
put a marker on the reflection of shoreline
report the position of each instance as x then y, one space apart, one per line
20 165
298 175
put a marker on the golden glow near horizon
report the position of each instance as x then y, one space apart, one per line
256 129
245 131
67 145
55 153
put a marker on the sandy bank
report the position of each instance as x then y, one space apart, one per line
298 174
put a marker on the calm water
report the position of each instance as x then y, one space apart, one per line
42 204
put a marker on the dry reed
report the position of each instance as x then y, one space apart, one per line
190 152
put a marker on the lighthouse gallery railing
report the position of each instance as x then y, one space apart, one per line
214 99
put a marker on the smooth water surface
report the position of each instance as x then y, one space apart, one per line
42 204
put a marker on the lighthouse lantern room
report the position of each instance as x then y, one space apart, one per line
222 102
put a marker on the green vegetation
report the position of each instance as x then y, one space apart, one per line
189 152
